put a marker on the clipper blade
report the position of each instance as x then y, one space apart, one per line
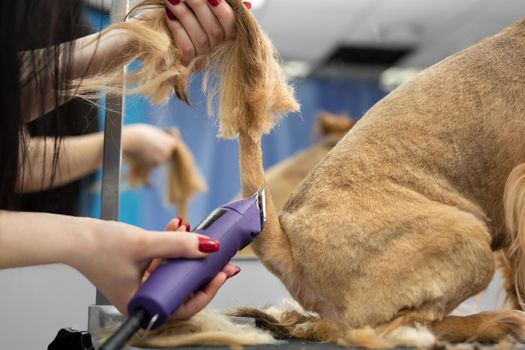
261 204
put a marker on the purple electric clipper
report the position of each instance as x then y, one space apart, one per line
233 225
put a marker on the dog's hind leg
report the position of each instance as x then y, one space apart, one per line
471 250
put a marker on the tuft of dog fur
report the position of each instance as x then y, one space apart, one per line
299 324
184 178
205 328
332 125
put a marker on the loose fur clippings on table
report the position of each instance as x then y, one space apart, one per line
205 328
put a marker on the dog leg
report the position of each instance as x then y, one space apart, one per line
468 247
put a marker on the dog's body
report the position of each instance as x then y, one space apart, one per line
401 218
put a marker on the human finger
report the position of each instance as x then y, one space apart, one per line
180 38
226 17
185 16
178 245
208 21
174 224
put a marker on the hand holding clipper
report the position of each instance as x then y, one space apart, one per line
233 225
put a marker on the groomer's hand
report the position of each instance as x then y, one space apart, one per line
201 298
198 26
114 257
147 145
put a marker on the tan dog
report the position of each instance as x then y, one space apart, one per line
399 222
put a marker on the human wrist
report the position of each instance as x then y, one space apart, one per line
129 139
84 242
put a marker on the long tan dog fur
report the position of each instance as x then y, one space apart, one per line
398 224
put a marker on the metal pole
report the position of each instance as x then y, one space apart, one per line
112 144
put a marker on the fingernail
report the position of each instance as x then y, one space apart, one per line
207 245
178 217
236 272
248 4
214 2
174 2
187 226
170 15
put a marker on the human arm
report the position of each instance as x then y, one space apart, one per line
198 28
112 255
79 156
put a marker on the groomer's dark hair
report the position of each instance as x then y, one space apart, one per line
30 32
76 117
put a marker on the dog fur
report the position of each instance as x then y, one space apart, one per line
399 222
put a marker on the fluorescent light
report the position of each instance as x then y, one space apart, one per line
296 69
395 76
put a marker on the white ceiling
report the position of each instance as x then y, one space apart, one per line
308 30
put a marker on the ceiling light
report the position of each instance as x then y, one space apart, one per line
395 76
296 69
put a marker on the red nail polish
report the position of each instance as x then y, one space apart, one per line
187 227
174 2
170 15
214 2
236 271
178 217
248 4
207 245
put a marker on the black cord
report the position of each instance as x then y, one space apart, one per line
126 331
